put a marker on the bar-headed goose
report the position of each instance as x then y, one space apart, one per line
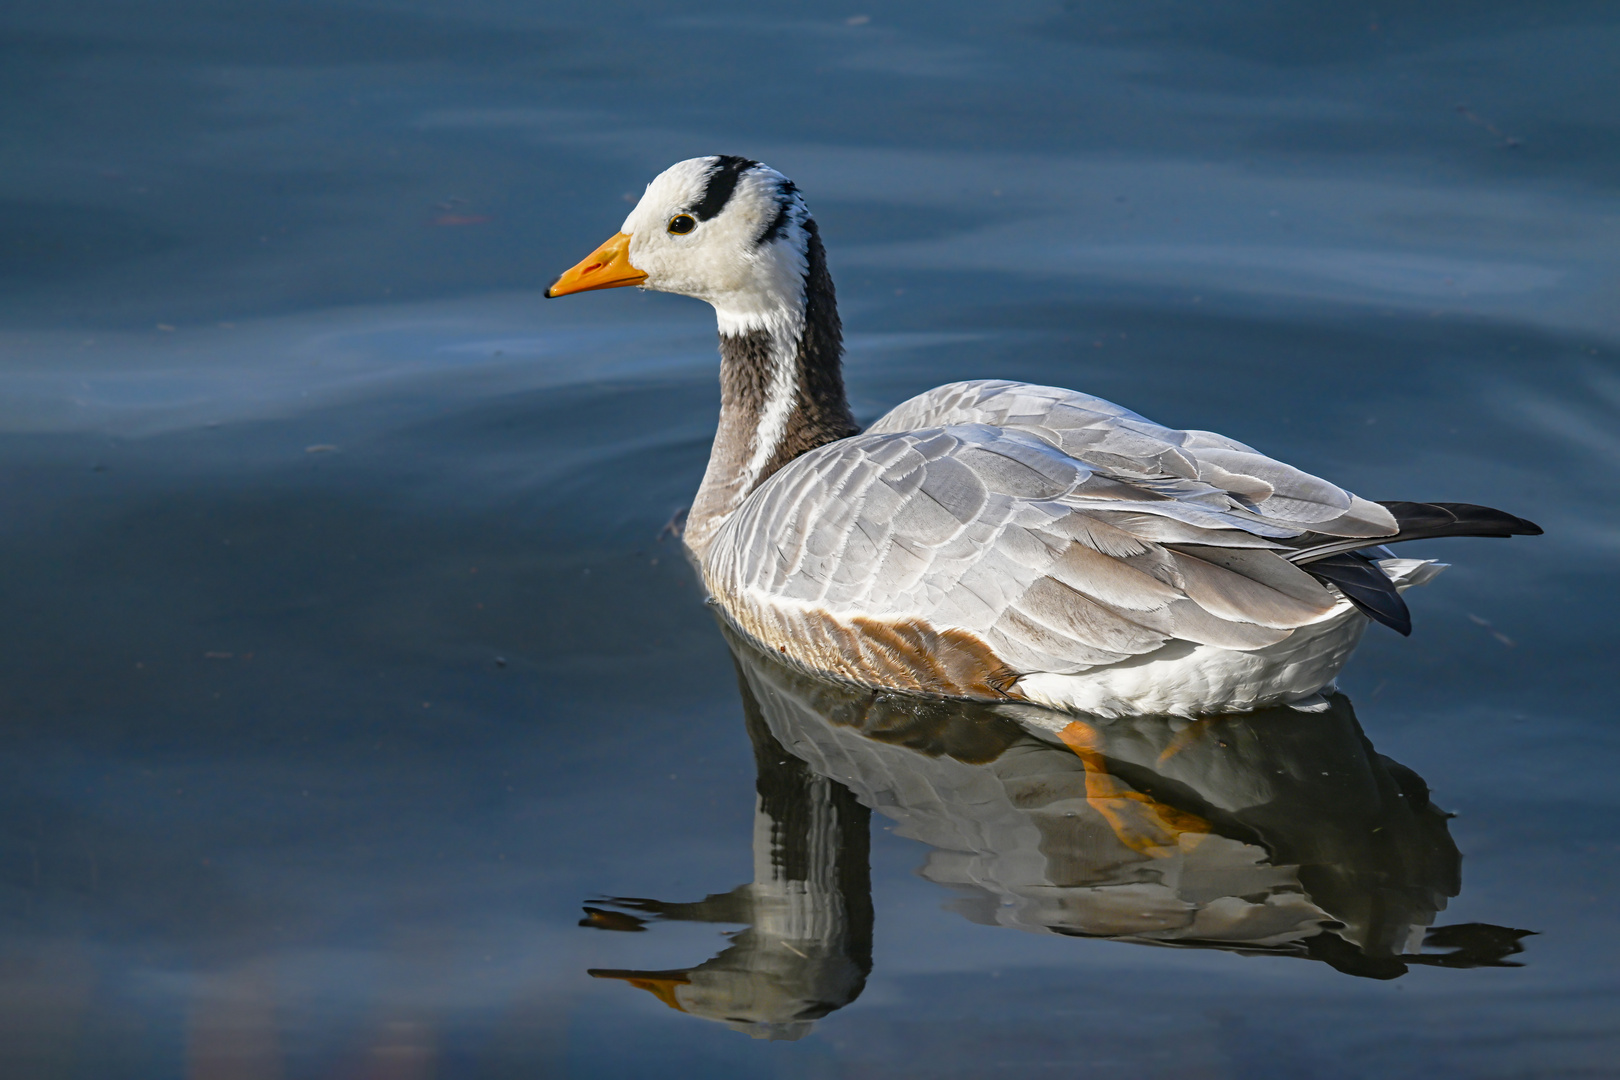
994 539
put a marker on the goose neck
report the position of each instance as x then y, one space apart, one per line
781 394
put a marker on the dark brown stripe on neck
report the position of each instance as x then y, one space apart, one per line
821 412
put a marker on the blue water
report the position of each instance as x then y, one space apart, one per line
344 664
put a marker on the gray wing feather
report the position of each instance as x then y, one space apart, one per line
1064 531
1120 443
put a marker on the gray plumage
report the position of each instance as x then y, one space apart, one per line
1062 530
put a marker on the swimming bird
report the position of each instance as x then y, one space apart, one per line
995 539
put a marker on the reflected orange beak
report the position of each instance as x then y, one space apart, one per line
608 267
660 984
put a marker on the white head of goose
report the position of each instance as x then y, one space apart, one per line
993 539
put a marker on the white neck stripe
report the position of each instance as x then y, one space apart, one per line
779 402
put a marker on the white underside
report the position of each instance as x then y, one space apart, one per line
1186 679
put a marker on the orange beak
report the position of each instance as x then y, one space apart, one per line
608 267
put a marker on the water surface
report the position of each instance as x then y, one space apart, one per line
345 666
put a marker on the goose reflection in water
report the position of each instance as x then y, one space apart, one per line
1272 832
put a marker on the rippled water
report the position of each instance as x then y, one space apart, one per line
344 664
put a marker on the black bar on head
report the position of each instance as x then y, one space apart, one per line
778 226
722 182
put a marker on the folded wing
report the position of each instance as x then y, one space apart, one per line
1059 530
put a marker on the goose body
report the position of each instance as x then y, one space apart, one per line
994 539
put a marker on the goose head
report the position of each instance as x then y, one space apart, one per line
722 229
737 234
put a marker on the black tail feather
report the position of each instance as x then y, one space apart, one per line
1366 586
1422 521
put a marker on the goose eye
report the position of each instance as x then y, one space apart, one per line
681 224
